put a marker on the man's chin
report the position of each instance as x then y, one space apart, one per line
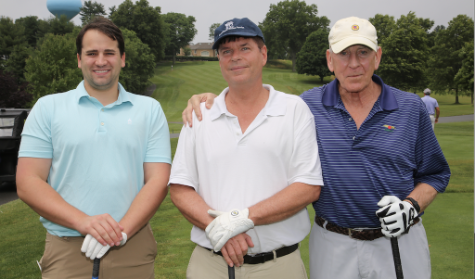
104 85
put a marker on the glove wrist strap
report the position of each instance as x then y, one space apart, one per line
414 203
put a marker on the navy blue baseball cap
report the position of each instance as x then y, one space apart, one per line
241 27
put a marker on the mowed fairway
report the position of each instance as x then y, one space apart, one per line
448 221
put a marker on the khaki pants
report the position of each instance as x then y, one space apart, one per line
63 258
334 255
432 120
205 264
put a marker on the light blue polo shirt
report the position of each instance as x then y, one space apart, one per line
97 151
430 103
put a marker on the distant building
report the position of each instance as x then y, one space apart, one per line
200 49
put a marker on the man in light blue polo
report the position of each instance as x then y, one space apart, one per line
432 107
95 162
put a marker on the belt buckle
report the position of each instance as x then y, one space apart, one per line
350 234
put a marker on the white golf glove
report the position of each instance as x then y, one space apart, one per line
396 216
94 249
227 225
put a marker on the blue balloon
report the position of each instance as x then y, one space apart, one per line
69 8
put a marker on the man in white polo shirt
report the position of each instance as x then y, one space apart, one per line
245 174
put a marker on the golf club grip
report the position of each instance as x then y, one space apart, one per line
95 268
397 258
231 272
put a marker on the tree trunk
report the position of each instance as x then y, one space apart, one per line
321 79
174 58
457 94
292 55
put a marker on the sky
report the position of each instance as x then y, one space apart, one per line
207 12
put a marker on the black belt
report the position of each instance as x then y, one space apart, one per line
267 256
360 234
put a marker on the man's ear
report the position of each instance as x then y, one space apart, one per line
377 58
264 53
123 60
329 61
79 60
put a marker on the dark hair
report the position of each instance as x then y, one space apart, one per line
259 41
106 27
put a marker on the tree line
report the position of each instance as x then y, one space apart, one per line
414 57
39 55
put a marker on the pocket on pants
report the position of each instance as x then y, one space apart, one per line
45 261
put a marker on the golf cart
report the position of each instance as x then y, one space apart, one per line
11 126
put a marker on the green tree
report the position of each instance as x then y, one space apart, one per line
385 26
60 26
405 53
139 64
145 21
288 24
187 51
31 25
43 29
311 59
211 30
11 35
465 75
53 66
112 10
12 93
91 9
433 34
181 30
17 61
445 62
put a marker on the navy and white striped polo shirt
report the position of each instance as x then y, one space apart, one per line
394 149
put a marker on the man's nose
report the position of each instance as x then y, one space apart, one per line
100 61
353 60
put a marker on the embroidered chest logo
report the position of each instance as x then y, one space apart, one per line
230 26
389 128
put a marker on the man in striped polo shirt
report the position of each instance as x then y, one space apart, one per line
378 154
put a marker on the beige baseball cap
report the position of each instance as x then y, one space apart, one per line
352 31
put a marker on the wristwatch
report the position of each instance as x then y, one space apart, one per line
414 203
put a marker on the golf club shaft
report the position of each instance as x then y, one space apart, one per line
95 268
231 273
397 258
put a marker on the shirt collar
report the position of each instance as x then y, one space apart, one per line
387 99
275 106
124 96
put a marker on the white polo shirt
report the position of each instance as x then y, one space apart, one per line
231 170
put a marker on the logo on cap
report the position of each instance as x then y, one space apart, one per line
230 26
355 27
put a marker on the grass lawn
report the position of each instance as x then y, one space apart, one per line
174 87
456 140
448 221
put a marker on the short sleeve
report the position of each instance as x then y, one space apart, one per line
305 166
432 167
184 168
158 145
36 139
